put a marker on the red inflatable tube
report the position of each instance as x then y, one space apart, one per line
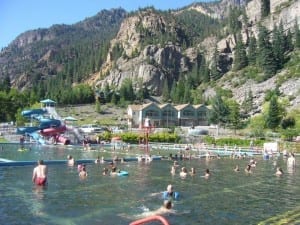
63 140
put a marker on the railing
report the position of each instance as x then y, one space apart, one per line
150 219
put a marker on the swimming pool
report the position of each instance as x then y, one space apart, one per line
226 197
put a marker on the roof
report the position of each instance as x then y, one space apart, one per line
47 101
147 105
70 118
199 106
135 107
180 107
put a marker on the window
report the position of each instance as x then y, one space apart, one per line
202 114
168 112
188 113
152 113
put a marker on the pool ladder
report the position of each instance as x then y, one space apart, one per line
150 219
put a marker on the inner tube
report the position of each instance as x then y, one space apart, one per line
166 195
122 173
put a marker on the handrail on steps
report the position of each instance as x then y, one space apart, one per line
150 219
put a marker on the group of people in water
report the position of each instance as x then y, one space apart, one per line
40 172
183 173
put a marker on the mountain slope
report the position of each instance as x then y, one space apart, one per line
192 48
41 53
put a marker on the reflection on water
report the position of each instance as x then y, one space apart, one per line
227 197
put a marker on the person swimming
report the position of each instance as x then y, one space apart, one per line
71 161
83 172
237 169
173 170
279 171
248 169
192 172
170 193
183 173
207 173
113 171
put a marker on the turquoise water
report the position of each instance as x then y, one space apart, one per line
226 197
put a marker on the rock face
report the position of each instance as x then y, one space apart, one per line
150 64
150 68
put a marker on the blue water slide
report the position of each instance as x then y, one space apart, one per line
26 130
32 112
47 123
37 137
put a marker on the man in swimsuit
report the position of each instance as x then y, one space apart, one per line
39 176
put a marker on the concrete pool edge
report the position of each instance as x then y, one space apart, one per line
7 162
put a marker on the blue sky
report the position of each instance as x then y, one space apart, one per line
18 16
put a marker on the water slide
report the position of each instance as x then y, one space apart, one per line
36 136
48 127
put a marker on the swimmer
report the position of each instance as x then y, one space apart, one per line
97 160
183 172
79 167
207 173
173 170
113 171
291 161
71 161
169 193
83 173
104 171
248 169
39 175
175 163
193 171
166 208
279 171
236 169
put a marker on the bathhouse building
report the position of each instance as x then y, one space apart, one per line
166 115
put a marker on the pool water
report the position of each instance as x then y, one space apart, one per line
227 197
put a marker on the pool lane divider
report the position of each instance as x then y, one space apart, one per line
6 162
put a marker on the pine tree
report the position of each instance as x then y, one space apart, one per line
98 106
173 92
215 73
252 51
219 112
247 104
234 115
240 57
233 22
6 85
203 70
187 92
180 90
288 42
126 90
278 45
265 53
114 99
165 91
297 35
265 8
274 115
